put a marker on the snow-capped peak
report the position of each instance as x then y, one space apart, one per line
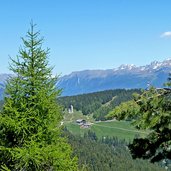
126 67
152 66
155 65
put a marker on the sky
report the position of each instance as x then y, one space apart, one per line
89 34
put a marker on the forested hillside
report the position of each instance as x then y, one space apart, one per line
107 154
98 103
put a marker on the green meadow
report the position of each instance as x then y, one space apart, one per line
120 129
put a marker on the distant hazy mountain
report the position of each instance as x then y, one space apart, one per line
3 78
125 76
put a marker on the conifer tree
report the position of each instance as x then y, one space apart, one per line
30 133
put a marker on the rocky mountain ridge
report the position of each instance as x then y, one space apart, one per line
125 76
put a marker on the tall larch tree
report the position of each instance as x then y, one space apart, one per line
30 133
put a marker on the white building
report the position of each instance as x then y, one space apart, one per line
71 109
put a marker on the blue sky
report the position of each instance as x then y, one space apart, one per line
89 34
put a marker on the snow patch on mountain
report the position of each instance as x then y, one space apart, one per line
126 67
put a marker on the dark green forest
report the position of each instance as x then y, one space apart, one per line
99 103
106 154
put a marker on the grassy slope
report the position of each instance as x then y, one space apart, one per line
121 129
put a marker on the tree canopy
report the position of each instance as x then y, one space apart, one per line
30 130
106 154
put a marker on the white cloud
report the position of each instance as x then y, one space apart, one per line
166 34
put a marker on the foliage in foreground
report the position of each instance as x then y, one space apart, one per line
30 119
152 111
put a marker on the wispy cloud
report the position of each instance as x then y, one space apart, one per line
166 34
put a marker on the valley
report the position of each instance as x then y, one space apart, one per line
101 144
110 128
98 103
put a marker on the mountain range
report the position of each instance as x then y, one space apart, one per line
125 76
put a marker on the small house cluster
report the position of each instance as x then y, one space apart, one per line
83 123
